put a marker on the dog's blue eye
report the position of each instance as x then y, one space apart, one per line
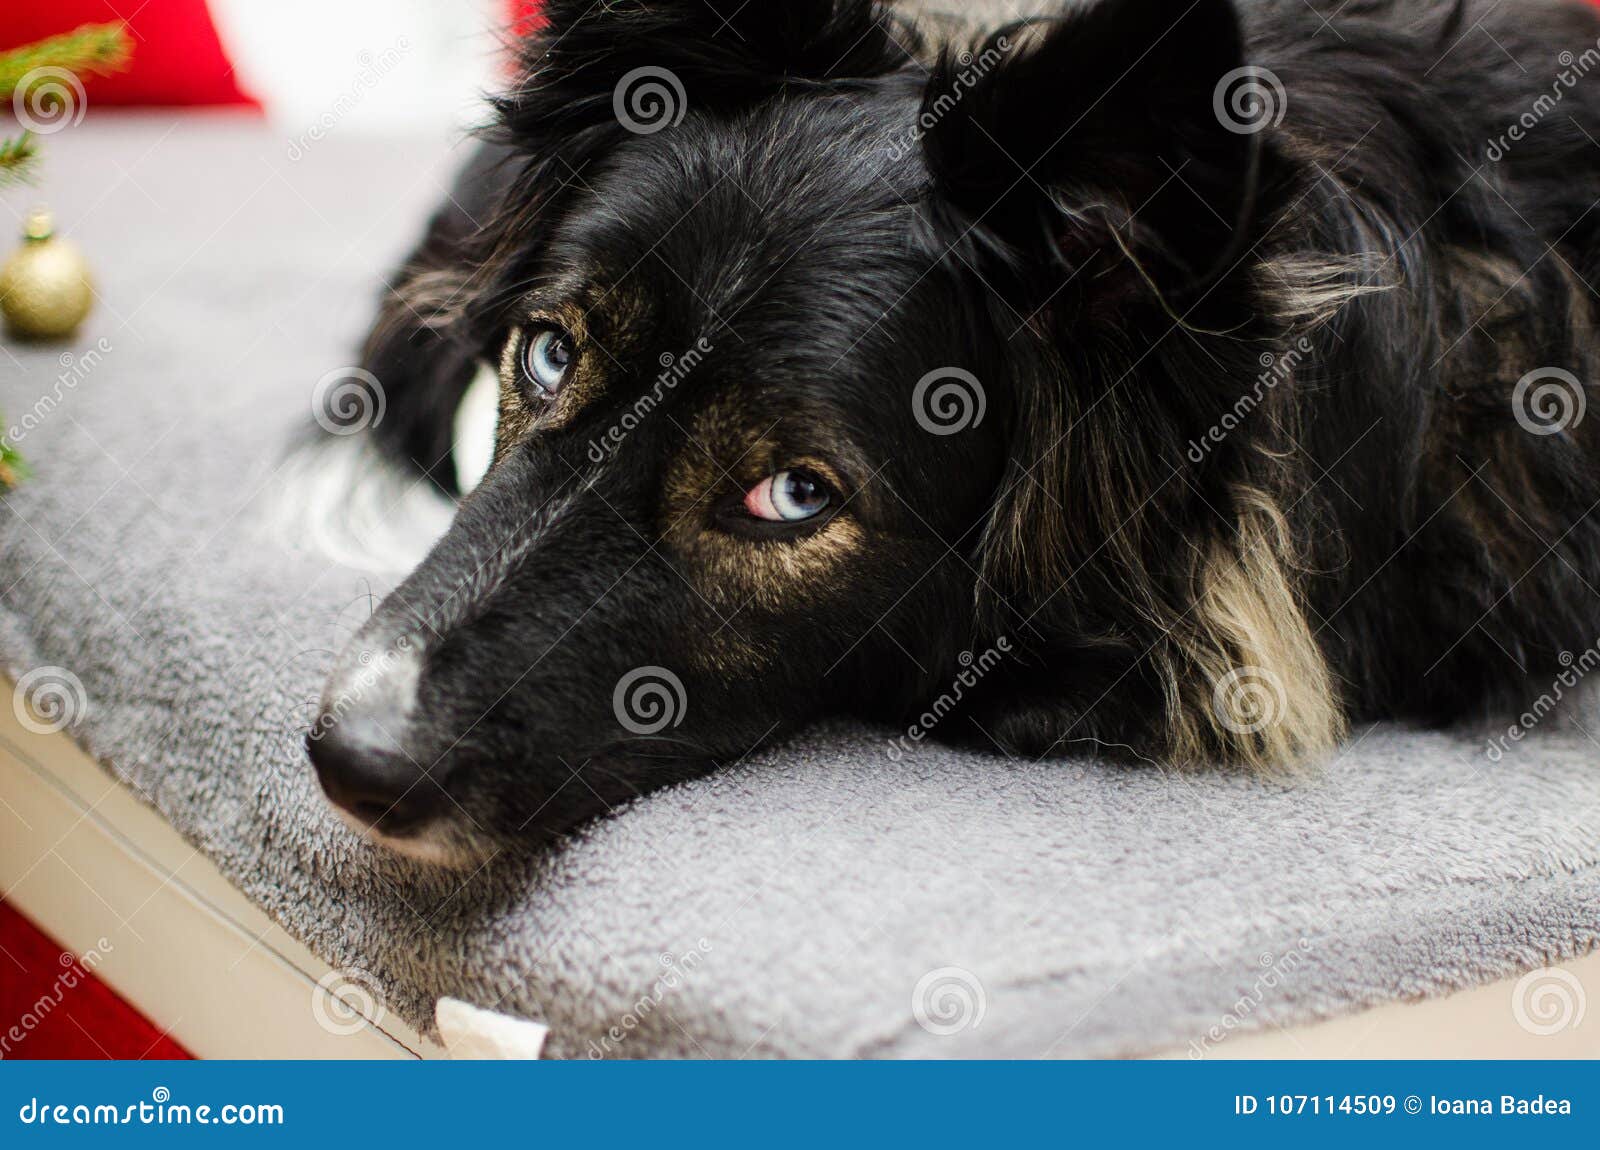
787 497
547 359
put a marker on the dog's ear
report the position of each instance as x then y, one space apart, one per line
593 73
645 62
1102 165
1102 141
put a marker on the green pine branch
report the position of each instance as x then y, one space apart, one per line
93 49
13 469
18 157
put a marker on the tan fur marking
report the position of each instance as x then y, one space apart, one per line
516 421
1308 290
767 574
1264 693
736 574
520 415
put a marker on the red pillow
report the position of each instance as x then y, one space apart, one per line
523 16
177 56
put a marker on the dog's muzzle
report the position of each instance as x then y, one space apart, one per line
358 745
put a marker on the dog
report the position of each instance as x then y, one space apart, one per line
1179 381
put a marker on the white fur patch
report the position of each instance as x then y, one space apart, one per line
477 419
380 683
341 499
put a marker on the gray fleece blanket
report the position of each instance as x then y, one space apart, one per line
823 899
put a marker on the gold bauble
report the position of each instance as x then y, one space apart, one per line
45 289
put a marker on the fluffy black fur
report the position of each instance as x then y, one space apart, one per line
854 199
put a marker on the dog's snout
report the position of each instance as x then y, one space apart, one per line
358 744
365 772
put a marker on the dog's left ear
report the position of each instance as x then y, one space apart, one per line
592 60
1102 165
1069 139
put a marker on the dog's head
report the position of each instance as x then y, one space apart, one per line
783 313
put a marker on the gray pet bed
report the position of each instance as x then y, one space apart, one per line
812 901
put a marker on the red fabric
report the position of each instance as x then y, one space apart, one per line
50 1008
178 58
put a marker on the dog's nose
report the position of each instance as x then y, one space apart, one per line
364 771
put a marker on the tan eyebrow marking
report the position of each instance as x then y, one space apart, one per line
520 416
729 571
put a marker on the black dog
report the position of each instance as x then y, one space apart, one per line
1180 378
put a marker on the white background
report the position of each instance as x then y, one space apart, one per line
304 58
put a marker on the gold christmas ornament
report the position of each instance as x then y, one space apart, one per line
45 289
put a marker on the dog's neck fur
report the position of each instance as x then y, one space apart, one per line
945 22
945 14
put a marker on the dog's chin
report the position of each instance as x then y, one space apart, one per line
438 844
